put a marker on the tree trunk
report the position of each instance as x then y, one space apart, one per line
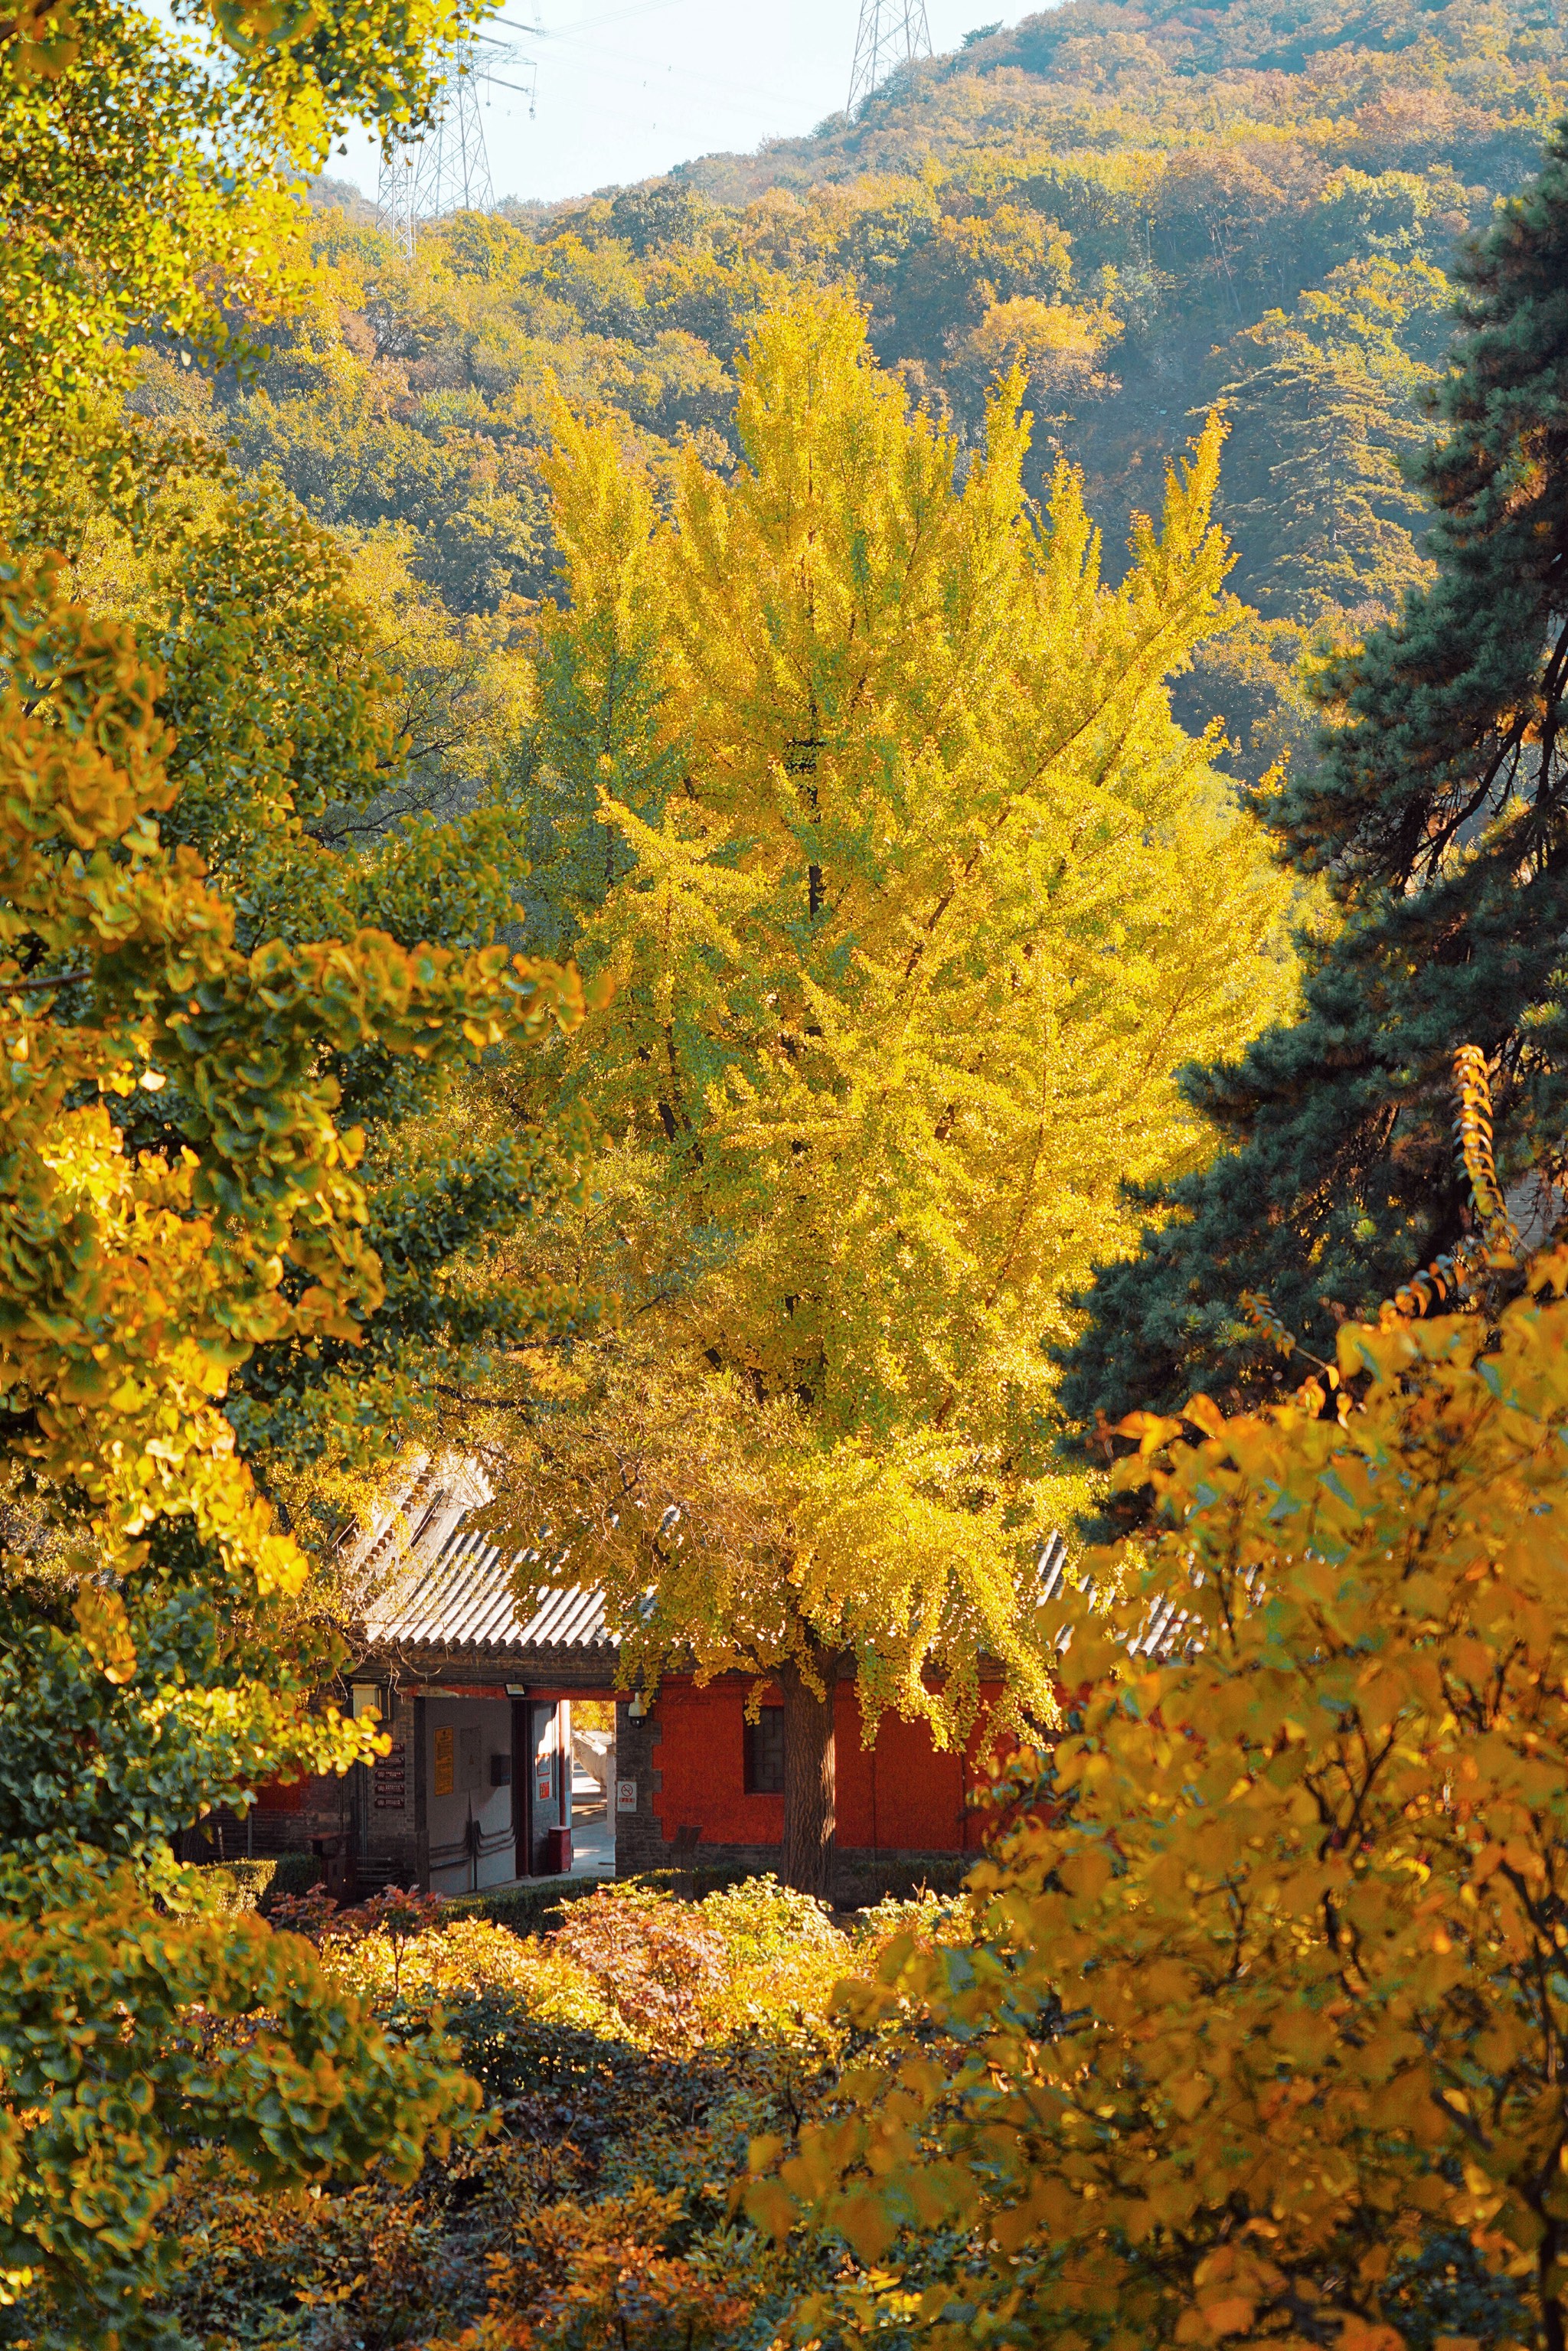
810 1775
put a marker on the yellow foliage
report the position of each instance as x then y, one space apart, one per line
1267 1983
914 899
142 1673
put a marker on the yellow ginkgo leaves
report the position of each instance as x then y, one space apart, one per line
916 899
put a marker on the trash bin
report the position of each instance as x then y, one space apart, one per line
557 1852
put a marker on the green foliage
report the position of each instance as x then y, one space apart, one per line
114 2057
292 1874
311 802
1326 408
1436 818
127 223
528 1909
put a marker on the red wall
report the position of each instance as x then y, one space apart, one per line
902 1794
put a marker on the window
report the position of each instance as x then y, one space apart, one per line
765 1753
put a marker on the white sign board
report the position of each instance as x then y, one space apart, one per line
625 1795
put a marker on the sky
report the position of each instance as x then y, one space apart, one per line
625 91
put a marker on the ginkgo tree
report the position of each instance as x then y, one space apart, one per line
1265 1991
150 1664
179 1188
860 784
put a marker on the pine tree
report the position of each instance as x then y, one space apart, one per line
1436 819
912 893
1326 401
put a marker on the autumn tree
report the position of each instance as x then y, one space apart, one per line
316 782
1263 1994
123 226
1435 817
180 1191
338 739
869 801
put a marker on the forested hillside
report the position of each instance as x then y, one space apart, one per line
603 874
1150 210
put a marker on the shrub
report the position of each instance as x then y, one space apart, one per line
239 1884
291 1873
527 1909
312 1913
1267 1996
659 1964
761 1919
401 1917
598 2211
602 2278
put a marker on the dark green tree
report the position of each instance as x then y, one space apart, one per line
1436 818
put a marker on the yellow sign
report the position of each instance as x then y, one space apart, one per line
446 1779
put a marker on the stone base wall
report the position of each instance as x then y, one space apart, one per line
862 1875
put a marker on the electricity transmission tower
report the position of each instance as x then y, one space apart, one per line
893 32
447 170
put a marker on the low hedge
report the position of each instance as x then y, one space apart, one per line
254 1885
532 1909
538 1907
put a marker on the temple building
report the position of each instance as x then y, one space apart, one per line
514 1756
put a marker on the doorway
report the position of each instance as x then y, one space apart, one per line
593 1787
469 1815
564 1794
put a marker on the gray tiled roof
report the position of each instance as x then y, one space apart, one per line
453 1592
469 1599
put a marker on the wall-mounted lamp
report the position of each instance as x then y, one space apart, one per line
639 1706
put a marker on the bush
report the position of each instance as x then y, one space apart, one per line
604 2278
860 1885
291 1872
661 1965
533 1909
1261 2001
240 1885
761 1919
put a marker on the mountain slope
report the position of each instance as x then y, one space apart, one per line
1149 209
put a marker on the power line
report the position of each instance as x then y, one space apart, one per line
629 61
892 33
586 24
448 169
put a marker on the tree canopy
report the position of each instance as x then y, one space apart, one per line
187 1013
866 796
